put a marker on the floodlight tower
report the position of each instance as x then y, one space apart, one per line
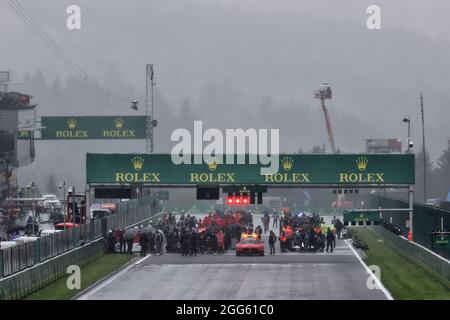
149 115
324 93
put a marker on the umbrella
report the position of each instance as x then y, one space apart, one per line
148 230
130 234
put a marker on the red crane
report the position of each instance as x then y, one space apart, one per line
323 93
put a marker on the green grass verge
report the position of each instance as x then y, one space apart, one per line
90 273
404 280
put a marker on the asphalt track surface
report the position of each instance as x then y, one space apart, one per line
292 276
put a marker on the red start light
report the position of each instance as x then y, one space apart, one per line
245 201
230 200
238 201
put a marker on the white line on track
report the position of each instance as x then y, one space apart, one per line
144 258
301 254
374 277
110 280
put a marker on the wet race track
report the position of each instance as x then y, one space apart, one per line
337 275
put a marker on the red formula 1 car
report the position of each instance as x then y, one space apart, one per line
250 244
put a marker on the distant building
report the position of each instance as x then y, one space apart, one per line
383 146
17 126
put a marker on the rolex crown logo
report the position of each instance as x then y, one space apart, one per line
362 162
138 162
212 164
72 123
287 163
119 123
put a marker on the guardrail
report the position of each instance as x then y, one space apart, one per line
433 264
26 255
27 281
30 266
426 220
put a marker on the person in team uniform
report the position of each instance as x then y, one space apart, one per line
193 242
272 240
330 239
283 242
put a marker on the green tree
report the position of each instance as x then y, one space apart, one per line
319 149
431 178
443 173
51 185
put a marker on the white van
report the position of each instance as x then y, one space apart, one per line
49 232
25 239
7 244
51 200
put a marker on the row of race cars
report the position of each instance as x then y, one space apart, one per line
306 232
218 232
303 232
215 233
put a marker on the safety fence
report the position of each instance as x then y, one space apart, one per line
130 212
426 219
25 255
27 281
15 260
434 265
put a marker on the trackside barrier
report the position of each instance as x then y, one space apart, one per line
434 265
23 283
426 220
25 255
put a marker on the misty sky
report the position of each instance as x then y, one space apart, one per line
246 63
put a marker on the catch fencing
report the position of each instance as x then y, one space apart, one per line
27 281
49 253
131 212
426 219
431 263
28 254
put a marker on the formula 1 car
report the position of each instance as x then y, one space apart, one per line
250 244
